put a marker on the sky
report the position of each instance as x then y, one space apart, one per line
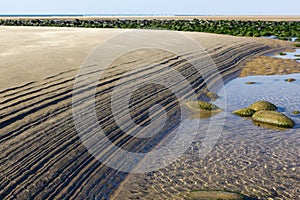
170 7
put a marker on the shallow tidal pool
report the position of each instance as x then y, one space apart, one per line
290 55
259 162
285 95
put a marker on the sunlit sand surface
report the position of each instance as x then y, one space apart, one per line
42 156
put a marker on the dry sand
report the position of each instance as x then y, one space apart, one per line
28 54
41 154
48 51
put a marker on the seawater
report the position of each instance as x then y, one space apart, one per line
257 161
289 55
293 39
237 94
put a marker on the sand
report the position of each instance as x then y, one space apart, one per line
41 154
48 51
28 52
266 65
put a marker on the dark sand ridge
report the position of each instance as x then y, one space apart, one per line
41 153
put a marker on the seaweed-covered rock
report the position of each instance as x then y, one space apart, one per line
282 54
263 105
245 112
213 96
201 105
296 112
273 118
250 83
212 195
290 80
231 27
201 109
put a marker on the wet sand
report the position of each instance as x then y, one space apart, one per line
266 65
258 162
43 157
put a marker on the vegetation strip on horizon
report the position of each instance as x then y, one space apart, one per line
281 29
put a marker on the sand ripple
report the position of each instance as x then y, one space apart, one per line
42 157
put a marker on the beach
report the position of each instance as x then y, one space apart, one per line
43 157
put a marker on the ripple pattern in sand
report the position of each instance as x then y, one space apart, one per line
42 156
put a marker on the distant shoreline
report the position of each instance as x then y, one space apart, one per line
160 17
250 26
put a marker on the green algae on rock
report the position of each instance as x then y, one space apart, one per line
282 54
200 105
250 83
290 80
212 195
263 105
251 28
296 112
202 109
245 112
273 118
212 95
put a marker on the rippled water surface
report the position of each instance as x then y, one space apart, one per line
258 162
290 55
286 95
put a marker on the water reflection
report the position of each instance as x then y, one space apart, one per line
270 88
290 55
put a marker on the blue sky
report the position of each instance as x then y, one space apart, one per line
200 7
